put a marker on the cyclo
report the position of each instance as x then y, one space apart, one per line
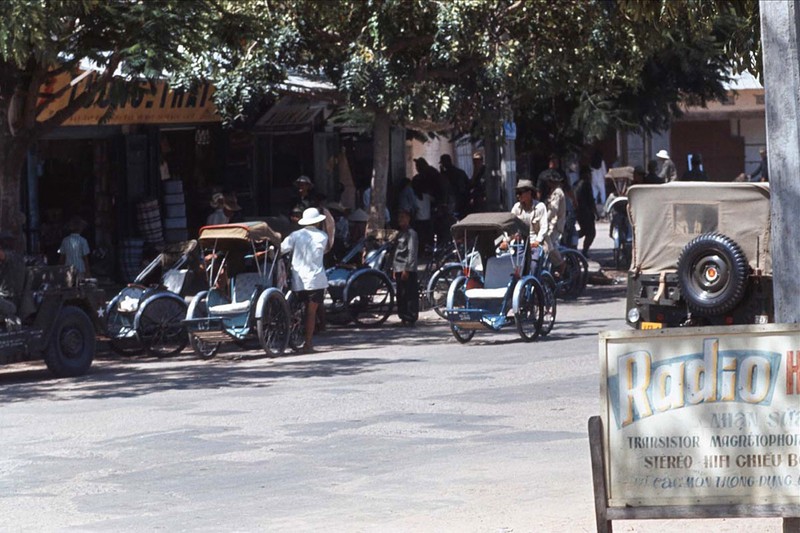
242 301
507 294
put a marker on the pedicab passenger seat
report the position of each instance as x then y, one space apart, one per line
244 287
497 275
175 280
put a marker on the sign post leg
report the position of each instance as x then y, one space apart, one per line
599 475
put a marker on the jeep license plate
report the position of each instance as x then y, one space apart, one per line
651 325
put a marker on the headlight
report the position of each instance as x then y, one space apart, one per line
633 315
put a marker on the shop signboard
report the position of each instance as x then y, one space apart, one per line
156 103
702 416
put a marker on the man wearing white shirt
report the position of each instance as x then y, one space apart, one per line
309 282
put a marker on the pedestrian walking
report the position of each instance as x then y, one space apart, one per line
556 204
762 171
598 175
309 282
404 267
668 172
586 210
74 249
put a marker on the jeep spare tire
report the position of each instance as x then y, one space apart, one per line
712 272
72 343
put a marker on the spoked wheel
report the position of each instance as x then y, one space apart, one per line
529 308
205 350
297 322
274 325
439 285
457 299
576 274
369 298
549 288
160 326
120 312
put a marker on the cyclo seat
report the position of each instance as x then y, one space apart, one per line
244 287
497 275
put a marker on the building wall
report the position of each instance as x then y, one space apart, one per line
722 150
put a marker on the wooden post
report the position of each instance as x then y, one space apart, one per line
599 475
780 27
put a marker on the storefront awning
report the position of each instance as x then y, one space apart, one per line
290 118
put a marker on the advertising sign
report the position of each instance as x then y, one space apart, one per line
702 415
156 104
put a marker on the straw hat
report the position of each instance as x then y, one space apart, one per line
231 203
663 154
525 185
311 216
304 180
217 200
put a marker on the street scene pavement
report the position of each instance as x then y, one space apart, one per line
391 429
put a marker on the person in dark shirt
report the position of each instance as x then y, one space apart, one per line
459 184
586 211
404 266
696 173
652 178
762 171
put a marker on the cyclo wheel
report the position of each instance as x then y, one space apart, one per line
439 285
457 299
297 322
529 308
369 298
160 327
575 276
549 304
274 325
205 350
122 336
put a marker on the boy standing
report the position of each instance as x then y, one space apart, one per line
404 265
74 249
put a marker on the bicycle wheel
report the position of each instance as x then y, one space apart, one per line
274 325
297 322
160 326
438 286
529 308
575 276
369 298
457 298
549 288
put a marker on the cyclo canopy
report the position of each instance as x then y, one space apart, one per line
485 228
666 217
238 234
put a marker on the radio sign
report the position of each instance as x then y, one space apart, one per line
702 415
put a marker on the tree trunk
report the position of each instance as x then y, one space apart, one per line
12 159
380 157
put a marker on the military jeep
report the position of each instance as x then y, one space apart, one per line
58 320
701 255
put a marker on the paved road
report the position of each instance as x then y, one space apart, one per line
395 429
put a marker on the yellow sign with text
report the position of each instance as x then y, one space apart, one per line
156 103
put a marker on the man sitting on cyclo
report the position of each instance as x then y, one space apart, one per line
533 213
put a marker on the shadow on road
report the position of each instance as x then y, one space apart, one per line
122 378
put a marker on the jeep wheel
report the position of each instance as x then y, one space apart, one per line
72 343
712 272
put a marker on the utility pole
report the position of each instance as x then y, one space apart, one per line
780 28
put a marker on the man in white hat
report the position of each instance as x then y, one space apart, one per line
309 282
668 170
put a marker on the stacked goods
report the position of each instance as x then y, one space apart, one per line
174 211
148 215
